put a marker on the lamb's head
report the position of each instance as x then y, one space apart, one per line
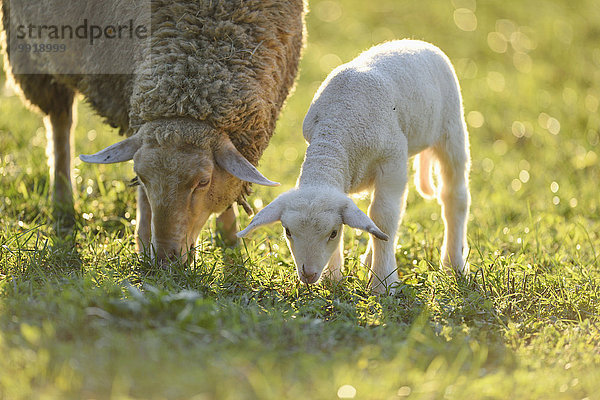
188 171
312 220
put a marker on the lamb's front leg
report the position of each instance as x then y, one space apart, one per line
334 266
386 209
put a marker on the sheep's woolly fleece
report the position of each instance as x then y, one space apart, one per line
228 63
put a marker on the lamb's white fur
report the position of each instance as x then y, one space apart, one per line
395 100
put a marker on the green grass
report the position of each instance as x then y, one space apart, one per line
84 317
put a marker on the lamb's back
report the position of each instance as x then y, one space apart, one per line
402 87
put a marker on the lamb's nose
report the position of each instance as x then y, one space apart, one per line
308 277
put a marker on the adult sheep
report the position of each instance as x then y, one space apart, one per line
199 108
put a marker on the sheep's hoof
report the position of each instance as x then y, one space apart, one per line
64 218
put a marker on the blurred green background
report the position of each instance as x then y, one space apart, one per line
84 318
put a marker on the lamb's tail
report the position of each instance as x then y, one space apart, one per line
423 166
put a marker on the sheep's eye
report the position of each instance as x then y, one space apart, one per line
288 233
333 234
202 184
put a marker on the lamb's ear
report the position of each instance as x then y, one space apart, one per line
230 159
355 218
118 152
270 213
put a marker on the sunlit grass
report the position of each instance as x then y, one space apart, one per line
85 317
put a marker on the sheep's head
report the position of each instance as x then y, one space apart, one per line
188 171
312 221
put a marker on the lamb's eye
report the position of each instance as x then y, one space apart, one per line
333 235
288 233
202 184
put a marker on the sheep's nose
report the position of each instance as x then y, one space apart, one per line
167 253
308 277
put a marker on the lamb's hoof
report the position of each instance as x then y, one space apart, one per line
460 272
385 288
333 275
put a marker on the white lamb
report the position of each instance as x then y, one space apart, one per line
395 100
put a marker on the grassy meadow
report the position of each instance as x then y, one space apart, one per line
83 317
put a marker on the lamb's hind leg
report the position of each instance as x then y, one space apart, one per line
386 209
455 200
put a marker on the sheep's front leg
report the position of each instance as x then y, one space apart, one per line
334 266
387 206
227 227
143 230
58 129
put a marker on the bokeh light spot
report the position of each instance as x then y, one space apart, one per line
382 34
592 137
524 176
518 129
500 147
573 202
554 187
465 19
497 42
591 103
495 81
553 126
329 62
521 41
328 11
487 164
346 392
506 27
522 62
475 119
516 185
404 391
290 154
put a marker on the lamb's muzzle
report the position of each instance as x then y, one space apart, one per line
309 277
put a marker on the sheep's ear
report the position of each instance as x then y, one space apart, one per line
355 218
230 159
270 213
118 152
